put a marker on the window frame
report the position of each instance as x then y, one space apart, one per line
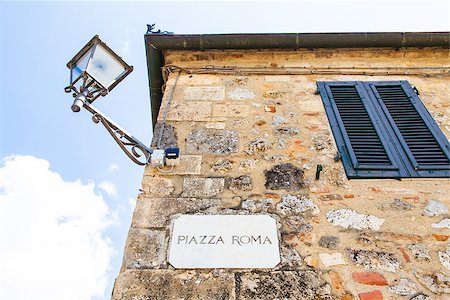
403 162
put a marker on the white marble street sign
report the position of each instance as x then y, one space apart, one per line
224 241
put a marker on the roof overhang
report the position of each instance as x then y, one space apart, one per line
157 43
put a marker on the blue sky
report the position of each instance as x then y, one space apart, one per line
45 146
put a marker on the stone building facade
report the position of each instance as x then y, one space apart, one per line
252 130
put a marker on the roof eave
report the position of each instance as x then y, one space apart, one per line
156 43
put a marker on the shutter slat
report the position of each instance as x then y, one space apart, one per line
363 137
418 137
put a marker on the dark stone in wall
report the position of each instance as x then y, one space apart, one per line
305 284
168 139
328 241
241 183
212 141
374 259
285 176
151 284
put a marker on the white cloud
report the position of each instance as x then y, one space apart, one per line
52 233
108 188
113 168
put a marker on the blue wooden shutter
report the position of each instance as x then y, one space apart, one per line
360 139
424 145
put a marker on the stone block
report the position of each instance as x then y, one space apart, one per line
348 218
230 110
241 183
445 223
339 287
403 287
258 146
435 208
157 186
419 252
222 165
248 165
156 212
298 224
438 283
189 165
444 258
329 241
171 285
256 206
212 141
373 295
395 205
204 93
420 296
189 111
168 138
440 237
278 120
375 259
203 187
289 257
145 248
241 94
369 278
332 259
304 284
285 176
286 131
294 205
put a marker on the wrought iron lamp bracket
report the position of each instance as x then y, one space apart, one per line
132 147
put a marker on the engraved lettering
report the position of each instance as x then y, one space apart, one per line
256 240
181 238
267 240
245 239
216 239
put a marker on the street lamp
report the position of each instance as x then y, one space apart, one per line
94 71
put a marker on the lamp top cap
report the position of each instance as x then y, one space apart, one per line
94 41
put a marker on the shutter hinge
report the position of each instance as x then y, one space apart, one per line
416 90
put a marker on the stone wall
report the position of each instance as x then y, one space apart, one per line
250 145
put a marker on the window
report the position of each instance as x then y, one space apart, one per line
382 130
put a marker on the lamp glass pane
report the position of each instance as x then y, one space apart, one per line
80 65
104 68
